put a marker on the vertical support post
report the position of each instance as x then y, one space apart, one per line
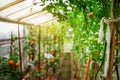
19 43
54 40
87 70
46 44
11 46
112 44
24 30
39 59
55 36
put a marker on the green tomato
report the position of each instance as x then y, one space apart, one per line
82 39
84 33
91 39
85 42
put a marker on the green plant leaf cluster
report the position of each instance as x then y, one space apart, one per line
7 71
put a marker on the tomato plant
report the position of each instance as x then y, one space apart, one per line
8 70
83 17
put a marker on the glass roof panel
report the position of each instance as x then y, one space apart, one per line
49 22
37 15
25 12
5 2
21 11
42 19
16 8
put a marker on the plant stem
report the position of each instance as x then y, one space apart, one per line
116 67
103 60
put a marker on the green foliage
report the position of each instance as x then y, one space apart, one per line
14 47
8 72
14 57
52 63
75 14
39 74
30 42
8 68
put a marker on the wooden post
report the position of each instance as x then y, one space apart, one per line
46 49
19 43
55 36
46 41
112 44
87 70
11 46
94 68
39 59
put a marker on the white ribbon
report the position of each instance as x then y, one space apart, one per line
101 35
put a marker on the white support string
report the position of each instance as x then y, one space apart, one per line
107 48
101 35
115 20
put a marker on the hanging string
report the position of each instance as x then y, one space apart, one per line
115 20
101 35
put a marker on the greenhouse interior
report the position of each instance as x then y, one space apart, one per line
59 39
